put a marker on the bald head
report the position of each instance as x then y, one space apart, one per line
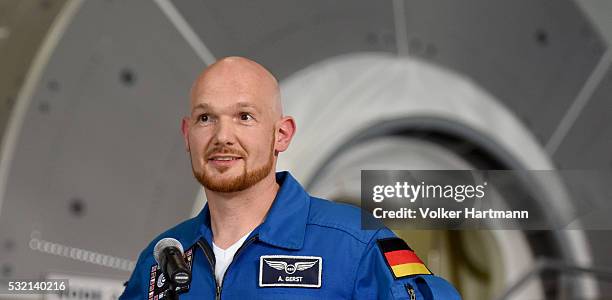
236 128
239 77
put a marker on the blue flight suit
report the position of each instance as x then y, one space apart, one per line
307 248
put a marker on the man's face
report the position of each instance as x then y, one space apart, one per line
231 134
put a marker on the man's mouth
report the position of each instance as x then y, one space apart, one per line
224 158
223 161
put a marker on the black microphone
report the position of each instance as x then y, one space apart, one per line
168 253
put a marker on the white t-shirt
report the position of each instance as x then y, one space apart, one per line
224 257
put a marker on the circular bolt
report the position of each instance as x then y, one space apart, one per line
77 207
541 37
127 77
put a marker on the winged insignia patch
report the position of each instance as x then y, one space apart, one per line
290 271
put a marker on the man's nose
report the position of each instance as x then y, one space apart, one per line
224 134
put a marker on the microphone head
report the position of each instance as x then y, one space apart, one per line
165 243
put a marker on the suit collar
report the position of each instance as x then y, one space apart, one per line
285 222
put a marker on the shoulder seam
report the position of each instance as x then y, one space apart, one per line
348 231
369 245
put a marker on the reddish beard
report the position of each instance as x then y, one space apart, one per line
241 182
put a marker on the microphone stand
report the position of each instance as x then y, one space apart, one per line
171 293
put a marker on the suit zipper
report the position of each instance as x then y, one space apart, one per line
246 243
207 249
208 252
410 291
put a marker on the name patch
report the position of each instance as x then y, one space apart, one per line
290 271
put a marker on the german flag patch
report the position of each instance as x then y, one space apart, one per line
401 259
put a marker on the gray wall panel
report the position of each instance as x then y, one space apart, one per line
532 55
281 34
588 144
116 146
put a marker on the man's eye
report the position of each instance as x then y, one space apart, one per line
246 117
203 118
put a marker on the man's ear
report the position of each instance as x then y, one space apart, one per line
185 131
286 130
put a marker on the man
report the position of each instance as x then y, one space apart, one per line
260 234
